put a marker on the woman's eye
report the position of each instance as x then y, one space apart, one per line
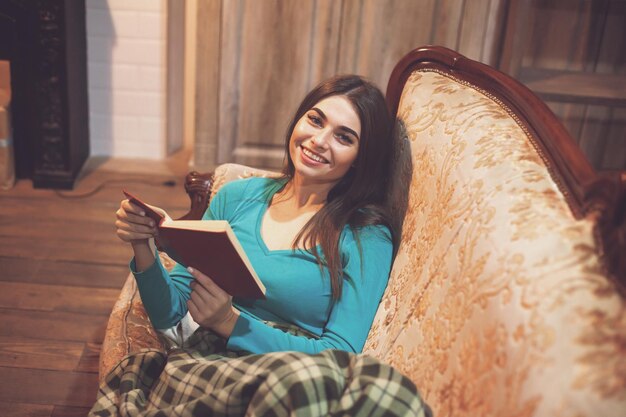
345 139
315 120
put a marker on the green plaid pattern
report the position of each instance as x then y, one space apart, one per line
205 379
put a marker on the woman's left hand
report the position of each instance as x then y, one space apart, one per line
210 306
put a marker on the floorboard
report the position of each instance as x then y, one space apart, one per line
52 247
72 273
55 355
53 325
90 358
14 409
64 411
46 387
39 297
61 269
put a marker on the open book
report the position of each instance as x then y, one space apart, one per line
210 246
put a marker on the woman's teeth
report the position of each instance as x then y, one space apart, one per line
314 156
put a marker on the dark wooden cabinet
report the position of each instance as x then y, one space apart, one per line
46 45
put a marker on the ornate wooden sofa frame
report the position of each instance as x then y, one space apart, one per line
506 297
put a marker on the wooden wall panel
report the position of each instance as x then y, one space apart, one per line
376 34
175 75
494 30
593 129
555 24
279 51
472 27
615 150
447 21
611 59
208 25
612 54
326 37
259 58
587 37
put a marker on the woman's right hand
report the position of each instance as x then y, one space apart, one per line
132 224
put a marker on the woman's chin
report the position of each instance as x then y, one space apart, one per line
309 172
308 175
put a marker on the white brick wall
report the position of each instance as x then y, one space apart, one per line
126 55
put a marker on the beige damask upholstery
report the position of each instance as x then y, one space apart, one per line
229 172
497 303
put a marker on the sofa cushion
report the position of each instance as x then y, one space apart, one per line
497 302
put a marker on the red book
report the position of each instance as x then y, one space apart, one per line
210 246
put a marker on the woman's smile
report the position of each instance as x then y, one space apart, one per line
310 156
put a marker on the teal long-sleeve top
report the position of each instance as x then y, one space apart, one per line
298 292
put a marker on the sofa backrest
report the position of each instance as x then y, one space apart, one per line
499 301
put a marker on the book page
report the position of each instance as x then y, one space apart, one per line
205 225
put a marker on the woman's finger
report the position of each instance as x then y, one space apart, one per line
201 296
129 217
135 228
140 219
135 213
127 236
194 311
131 208
207 283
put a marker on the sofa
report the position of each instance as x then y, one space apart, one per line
507 294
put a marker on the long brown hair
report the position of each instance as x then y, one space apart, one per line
358 199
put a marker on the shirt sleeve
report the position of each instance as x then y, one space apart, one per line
366 274
164 295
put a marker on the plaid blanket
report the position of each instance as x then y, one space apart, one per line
204 378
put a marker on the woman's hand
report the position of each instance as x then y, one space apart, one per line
210 306
135 228
132 224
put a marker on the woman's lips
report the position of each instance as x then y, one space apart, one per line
312 156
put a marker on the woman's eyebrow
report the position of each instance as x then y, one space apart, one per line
345 128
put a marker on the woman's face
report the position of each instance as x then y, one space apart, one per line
325 141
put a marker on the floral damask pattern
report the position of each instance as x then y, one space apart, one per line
497 305
229 172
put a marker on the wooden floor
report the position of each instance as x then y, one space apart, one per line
61 269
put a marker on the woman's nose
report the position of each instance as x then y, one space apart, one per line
321 139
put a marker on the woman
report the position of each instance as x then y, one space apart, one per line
319 238
332 195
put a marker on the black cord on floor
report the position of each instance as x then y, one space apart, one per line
166 183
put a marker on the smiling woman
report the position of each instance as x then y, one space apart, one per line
326 145
326 217
344 121
319 237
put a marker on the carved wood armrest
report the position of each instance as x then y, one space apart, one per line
198 187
